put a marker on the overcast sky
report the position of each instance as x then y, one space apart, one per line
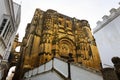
91 10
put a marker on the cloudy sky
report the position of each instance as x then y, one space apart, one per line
91 10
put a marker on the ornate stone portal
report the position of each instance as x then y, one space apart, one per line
51 34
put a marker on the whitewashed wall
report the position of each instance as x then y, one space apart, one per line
2 8
46 76
108 38
78 73
2 48
39 70
61 66
45 72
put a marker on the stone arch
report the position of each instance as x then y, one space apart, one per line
66 46
67 39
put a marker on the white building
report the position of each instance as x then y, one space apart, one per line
10 13
57 69
107 35
9 22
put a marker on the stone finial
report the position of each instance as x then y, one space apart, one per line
113 10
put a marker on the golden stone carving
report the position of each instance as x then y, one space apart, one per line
51 34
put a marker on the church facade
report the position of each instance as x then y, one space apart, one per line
52 34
